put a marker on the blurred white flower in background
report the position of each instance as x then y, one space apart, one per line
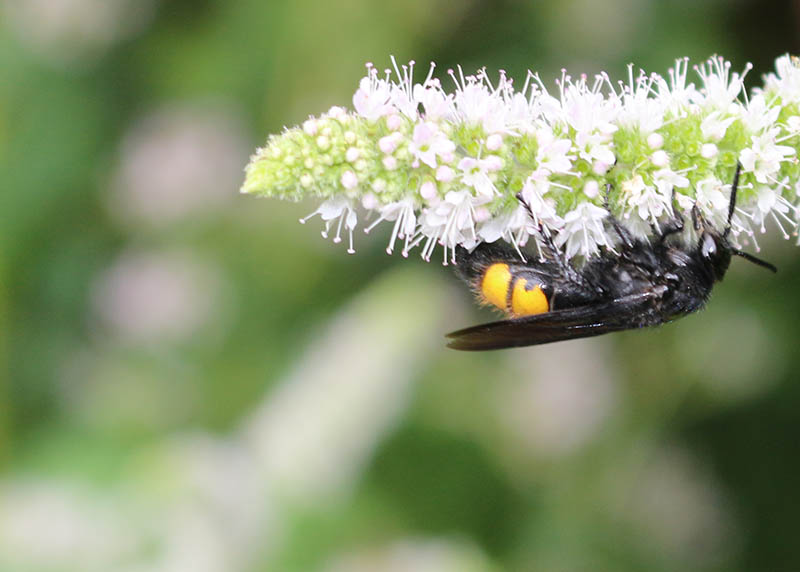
108 389
204 504
737 340
680 509
559 398
50 525
207 506
158 296
316 431
414 554
67 32
179 161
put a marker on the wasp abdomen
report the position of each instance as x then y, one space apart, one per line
528 299
513 294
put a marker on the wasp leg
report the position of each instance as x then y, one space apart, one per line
623 234
697 218
673 225
732 201
552 250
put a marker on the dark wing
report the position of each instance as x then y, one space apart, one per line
568 324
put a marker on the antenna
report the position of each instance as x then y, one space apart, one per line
754 260
731 208
732 202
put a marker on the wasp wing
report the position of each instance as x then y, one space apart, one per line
567 324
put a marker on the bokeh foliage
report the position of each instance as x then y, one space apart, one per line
169 347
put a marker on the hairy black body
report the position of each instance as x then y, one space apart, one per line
643 284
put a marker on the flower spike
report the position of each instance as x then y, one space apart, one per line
445 168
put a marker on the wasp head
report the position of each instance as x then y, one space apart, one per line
716 252
715 249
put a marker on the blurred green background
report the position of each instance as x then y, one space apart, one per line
192 381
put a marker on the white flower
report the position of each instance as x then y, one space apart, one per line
339 209
716 124
521 112
709 199
476 103
676 95
591 116
771 203
523 222
547 107
475 174
638 109
402 92
764 157
405 226
758 115
720 87
429 142
372 99
435 102
587 110
583 231
514 227
542 208
553 154
450 223
793 124
787 80
666 179
648 202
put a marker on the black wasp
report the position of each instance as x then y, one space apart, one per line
644 284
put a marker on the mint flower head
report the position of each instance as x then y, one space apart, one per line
482 161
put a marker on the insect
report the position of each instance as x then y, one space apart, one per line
644 284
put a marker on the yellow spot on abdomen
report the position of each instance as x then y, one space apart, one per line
495 284
528 302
